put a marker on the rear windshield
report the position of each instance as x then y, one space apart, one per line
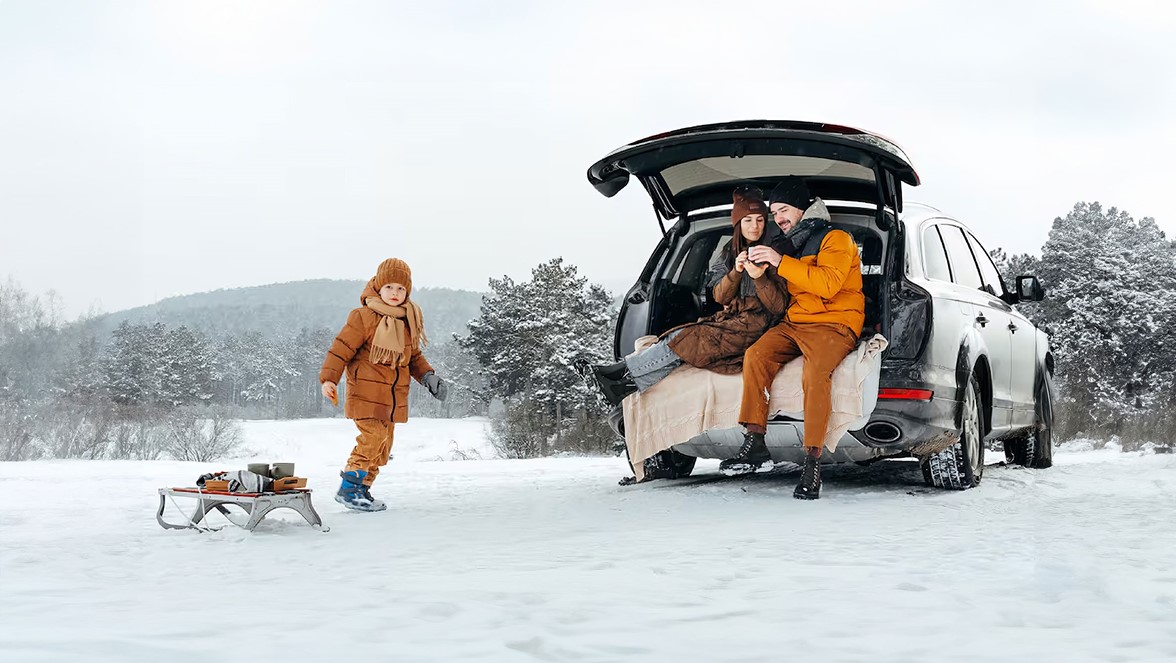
714 170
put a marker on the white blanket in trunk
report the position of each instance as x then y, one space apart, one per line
690 401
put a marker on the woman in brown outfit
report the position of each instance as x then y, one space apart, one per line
753 298
380 349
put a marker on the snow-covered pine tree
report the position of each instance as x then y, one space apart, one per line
530 334
1012 266
573 319
127 365
1111 311
467 384
185 368
504 340
80 378
306 352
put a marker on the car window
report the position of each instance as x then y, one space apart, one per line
988 270
869 249
935 256
963 266
702 253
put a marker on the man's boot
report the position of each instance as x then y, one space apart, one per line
809 487
751 456
614 381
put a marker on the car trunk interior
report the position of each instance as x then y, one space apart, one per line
681 295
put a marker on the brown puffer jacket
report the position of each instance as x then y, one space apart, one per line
717 343
374 391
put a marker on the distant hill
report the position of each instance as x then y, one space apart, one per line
291 306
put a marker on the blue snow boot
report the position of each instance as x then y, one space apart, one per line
353 493
377 505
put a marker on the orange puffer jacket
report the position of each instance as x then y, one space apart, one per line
826 280
374 391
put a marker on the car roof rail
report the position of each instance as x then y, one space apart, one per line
924 206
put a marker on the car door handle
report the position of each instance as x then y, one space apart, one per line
637 298
1013 327
982 320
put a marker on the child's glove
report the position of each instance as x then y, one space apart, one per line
435 385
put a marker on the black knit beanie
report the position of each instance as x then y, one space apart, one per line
792 190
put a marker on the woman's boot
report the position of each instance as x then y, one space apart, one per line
615 381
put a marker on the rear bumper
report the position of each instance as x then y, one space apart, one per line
924 427
785 441
918 420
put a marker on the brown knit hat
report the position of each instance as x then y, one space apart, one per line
748 199
393 270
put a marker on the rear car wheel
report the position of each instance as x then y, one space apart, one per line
669 464
1035 448
961 465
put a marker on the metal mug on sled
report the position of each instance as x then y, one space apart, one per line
260 498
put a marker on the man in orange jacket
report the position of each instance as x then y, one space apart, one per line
822 324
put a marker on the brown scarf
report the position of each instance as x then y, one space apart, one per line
387 346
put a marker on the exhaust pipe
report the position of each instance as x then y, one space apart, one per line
882 432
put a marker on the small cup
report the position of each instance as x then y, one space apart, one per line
259 468
282 470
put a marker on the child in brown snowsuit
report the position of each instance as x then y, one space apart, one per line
380 348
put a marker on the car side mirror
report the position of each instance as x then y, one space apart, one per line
1029 289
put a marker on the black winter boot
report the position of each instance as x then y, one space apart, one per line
614 381
809 487
751 456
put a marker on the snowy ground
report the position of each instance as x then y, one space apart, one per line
549 560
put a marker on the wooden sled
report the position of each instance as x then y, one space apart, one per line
256 505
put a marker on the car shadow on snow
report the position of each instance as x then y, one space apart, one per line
887 476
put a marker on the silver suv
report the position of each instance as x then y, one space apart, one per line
963 366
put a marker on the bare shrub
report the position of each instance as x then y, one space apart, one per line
519 431
17 434
200 435
139 434
587 434
68 431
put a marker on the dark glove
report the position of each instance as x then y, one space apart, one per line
435 385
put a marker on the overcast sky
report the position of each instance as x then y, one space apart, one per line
156 149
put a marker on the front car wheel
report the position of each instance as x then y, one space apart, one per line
1035 448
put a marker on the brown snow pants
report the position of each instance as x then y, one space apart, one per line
372 447
823 346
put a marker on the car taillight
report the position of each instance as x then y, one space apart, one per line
905 394
909 328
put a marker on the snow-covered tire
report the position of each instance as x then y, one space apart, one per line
1035 448
669 464
961 465
683 464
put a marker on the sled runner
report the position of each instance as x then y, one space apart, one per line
256 505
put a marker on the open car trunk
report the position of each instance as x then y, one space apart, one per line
698 167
